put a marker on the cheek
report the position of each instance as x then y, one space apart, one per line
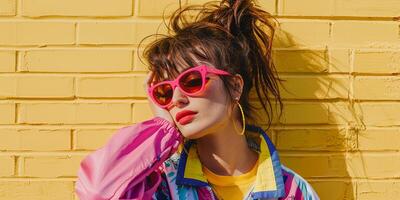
211 120
213 112
217 96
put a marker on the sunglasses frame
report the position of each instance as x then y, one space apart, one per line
203 69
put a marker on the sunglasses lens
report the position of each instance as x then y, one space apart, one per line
163 94
191 82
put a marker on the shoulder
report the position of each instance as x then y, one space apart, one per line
296 185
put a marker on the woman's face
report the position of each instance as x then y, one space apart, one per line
212 107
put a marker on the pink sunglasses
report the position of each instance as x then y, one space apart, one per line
191 82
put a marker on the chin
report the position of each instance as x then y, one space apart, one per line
190 134
191 130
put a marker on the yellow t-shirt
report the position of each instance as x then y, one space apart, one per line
231 187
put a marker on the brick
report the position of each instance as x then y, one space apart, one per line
155 8
34 140
106 33
305 8
7 61
103 8
6 166
312 113
380 34
141 112
138 65
8 87
197 2
268 5
56 166
353 165
120 86
7 113
36 86
380 114
118 32
261 117
315 87
77 113
147 28
310 166
37 33
77 60
379 139
91 139
315 139
7 7
377 62
28 189
339 60
343 189
367 8
302 33
380 87
301 60
356 8
382 189
344 113
374 165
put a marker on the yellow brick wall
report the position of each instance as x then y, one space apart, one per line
69 77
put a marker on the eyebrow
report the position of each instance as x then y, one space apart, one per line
166 79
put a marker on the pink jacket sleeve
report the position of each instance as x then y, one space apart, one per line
132 156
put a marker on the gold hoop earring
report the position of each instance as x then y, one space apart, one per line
243 119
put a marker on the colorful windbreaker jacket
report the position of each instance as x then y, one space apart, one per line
142 161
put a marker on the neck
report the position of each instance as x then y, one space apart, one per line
225 152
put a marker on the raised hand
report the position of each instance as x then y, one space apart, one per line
157 111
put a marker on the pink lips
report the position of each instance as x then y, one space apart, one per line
185 116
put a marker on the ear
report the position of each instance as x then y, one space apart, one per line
238 86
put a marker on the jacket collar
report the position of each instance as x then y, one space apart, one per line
269 181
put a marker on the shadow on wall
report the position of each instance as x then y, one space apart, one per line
317 135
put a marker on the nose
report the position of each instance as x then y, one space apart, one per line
178 98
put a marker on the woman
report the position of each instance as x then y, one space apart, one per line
198 145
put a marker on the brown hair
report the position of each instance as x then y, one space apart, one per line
235 36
